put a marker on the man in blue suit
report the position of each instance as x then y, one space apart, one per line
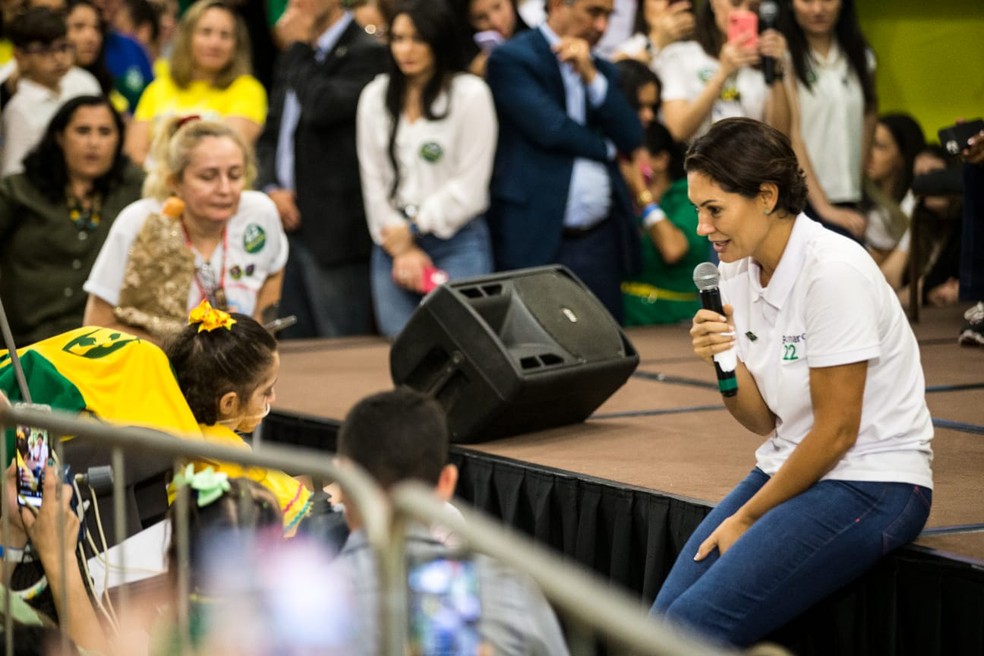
557 194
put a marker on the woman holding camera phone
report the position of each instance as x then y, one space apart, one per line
426 135
489 23
658 23
833 108
715 77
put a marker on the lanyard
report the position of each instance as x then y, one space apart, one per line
214 292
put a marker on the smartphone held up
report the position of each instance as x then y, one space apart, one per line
743 28
33 453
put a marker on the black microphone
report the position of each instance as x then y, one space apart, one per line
768 18
706 278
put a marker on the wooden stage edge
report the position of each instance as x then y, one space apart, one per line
666 432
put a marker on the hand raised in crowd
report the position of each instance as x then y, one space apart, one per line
18 536
735 54
711 333
772 43
297 23
55 528
675 23
974 152
577 53
286 202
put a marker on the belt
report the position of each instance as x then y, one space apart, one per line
578 233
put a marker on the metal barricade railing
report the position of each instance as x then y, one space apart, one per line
359 488
590 606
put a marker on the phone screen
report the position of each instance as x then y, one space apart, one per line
444 607
33 451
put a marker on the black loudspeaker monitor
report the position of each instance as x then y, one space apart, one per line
513 352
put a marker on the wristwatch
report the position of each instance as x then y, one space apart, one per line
409 212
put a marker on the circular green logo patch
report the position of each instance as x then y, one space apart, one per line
431 151
254 238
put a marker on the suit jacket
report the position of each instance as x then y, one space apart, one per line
538 143
326 169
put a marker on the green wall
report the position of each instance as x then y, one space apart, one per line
930 57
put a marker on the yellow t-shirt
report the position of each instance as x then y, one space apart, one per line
6 51
294 498
244 98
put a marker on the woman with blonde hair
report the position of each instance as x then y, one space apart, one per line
199 233
210 76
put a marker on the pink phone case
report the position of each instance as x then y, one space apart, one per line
742 23
433 277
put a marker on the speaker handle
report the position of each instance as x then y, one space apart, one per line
457 358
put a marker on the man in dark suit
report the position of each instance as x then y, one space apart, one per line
557 195
308 166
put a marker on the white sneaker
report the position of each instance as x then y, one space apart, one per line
973 333
976 313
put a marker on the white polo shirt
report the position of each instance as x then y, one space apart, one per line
827 304
684 69
832 123
257 249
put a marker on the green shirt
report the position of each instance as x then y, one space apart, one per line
664 293
45 258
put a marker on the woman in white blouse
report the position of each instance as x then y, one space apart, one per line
426 135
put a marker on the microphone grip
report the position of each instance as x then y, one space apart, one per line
769 70
724 363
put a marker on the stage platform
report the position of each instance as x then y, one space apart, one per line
622 491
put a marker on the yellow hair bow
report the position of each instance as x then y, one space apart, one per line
208 318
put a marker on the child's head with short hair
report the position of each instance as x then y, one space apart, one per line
226 366
43 54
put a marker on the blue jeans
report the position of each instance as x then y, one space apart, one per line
468 253
795 555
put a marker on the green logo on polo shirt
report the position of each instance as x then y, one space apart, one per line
254 239
431 152
789 345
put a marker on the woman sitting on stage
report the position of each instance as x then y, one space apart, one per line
55 216
426 135
210 240
828 370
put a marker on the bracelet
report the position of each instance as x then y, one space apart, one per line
645 198
651 215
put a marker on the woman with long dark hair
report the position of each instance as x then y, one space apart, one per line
426 135
54 217
87 33
832 106
712 77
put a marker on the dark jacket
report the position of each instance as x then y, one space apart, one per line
326 170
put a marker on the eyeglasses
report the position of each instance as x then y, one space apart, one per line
58 48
